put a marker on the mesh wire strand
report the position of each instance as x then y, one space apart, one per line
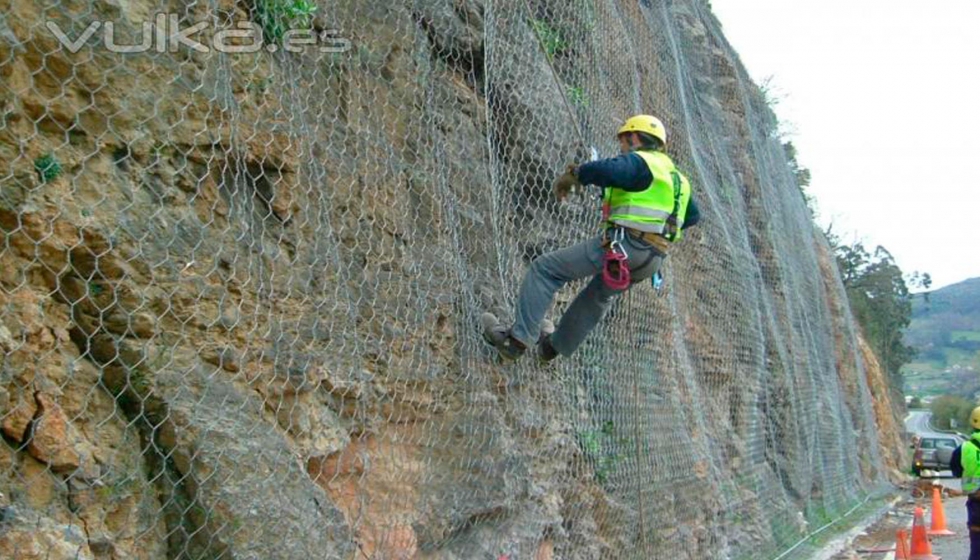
239 294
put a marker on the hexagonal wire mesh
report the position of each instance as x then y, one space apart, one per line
239 291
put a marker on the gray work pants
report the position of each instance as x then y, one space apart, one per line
548 273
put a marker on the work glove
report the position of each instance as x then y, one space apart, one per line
566 182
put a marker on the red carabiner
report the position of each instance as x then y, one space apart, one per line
615 270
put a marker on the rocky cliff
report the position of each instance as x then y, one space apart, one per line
239 293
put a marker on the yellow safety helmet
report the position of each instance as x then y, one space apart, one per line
645 123
975 418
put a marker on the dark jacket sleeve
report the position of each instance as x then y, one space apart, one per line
956 462
628 172
693 215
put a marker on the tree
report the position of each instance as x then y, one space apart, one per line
880 301
802 174
951 407
921 280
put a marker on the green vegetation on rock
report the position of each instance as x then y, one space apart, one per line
276 17
47 167
551 38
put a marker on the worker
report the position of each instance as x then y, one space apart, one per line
915 447
965 464
646 205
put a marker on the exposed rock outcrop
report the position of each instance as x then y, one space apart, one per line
238 296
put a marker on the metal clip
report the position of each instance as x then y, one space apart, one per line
657 280
616 237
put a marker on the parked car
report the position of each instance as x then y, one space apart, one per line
934 453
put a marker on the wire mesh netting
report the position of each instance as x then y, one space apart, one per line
239 291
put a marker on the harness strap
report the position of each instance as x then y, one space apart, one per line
670 231
654 250
653 254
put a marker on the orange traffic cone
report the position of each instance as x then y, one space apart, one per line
938 528
902 545
921 549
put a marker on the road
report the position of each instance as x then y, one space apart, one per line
877 542
917 422
950 548
956 547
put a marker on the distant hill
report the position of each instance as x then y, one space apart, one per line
945 329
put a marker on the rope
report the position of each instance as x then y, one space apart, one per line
558 82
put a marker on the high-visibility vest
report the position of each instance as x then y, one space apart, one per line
970 459
660 208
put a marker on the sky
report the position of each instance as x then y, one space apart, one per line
882 100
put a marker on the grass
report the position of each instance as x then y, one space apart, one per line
598 446
47 167
551 38
922 367
841 522
970 336
931 366
578 96
276 17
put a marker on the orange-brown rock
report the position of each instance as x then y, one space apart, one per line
56 442
27 535
17 415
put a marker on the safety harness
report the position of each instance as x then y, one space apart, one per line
615 261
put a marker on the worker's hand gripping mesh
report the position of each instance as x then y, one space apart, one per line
239 292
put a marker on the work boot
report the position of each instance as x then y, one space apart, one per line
497 334
546 352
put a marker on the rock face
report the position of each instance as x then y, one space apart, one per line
239 294
56 442
28 536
